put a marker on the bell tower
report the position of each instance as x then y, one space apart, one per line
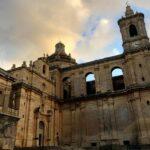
133 30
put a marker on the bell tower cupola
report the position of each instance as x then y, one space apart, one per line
133 30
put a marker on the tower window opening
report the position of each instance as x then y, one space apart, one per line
133 31
90 84
118 79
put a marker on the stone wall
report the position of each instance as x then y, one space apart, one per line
132 65
110 120
33 109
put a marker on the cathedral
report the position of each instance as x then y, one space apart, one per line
57 102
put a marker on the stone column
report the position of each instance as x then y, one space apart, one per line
144 132
146 66
82 83
130 70
72 85
73 125
108 81
97 80
135 101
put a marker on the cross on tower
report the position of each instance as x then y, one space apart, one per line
127 3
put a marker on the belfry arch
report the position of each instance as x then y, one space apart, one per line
133 30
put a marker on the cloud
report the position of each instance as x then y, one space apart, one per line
97 44
30 28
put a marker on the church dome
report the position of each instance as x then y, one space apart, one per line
60 54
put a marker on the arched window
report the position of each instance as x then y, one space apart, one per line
90 84
133 30
66 87
44 69
117 79
41 133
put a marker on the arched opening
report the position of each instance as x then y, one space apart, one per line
90 84
118 79
44 69
66 87
133 30
41 133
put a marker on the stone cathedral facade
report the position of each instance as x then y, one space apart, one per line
58 105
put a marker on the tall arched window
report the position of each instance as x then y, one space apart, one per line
41 133
133 30
66 87
117 79
90 84
44 69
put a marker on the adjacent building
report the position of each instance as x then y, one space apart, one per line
8 111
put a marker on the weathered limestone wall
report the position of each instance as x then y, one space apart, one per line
35 105
133 66
107 120
38 67
27 133
102 72
32 78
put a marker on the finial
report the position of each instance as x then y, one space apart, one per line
127 3
24 64
129 11
30 64
13 66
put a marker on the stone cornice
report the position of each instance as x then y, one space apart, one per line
99 61
107 59
128 90
32 88
6 75
138 49
129 17
9 116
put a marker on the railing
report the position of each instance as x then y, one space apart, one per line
9 111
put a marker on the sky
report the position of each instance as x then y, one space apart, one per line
88 28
